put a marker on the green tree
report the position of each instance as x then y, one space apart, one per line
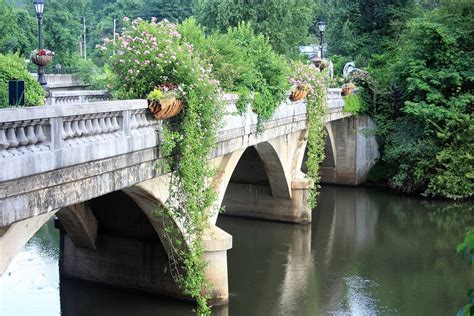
422 99
286 23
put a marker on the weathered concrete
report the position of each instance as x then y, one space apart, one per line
80 224
352 153
129 254
15 236
55 157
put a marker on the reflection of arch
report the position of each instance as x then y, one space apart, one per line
15 237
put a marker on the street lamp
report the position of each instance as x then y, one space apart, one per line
321 27
39 7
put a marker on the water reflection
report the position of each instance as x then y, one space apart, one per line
368 252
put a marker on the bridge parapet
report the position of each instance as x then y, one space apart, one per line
40 139
36 140
77 97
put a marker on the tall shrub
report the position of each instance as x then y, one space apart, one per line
12 67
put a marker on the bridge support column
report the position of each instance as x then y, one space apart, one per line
351 150
257 201
143 265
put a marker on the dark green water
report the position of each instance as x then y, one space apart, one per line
367 252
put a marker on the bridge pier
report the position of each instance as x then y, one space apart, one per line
128 252
351 150
257 201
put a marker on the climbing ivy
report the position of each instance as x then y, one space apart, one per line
149 54
311 79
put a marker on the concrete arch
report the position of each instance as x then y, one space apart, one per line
149 197
279 174
14 237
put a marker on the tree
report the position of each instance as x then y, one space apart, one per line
285 22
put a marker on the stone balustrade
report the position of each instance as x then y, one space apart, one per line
77 97
34 140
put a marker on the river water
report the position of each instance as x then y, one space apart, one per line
367 252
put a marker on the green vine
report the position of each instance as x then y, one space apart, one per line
151 54
309 77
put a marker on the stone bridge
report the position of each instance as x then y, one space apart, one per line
96 166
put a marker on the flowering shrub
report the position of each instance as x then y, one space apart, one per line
310 77
305 76
165 91
12 67
150 55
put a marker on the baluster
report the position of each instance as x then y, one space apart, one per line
115 124
95 126
133 123
12 141
40 135
82 126
21 136
103 126
110 127
89 127
67 132
31 136
4 143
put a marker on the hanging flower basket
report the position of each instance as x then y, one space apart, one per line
348 89
165 101
299 94
42 57
165 108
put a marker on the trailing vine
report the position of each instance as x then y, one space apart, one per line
150 54
311 79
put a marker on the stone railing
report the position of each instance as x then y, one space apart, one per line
77 97
334 98
35 140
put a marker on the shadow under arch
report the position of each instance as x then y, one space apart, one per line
329 161
131 251
259 188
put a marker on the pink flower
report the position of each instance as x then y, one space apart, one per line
126 18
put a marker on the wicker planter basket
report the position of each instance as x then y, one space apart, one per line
347 91
43 60
298 94
165 108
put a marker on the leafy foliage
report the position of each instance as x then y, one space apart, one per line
466 249
421 98
286 23
353 104
313 80
12 67
245 63
152 54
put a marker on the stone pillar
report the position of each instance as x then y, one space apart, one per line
257 201
143 265
216 243
356 151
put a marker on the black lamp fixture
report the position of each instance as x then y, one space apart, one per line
322 28
39 8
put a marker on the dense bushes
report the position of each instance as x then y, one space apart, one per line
422 100
245 63
286 23
12 67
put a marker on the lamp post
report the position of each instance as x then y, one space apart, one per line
39 7
321 27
